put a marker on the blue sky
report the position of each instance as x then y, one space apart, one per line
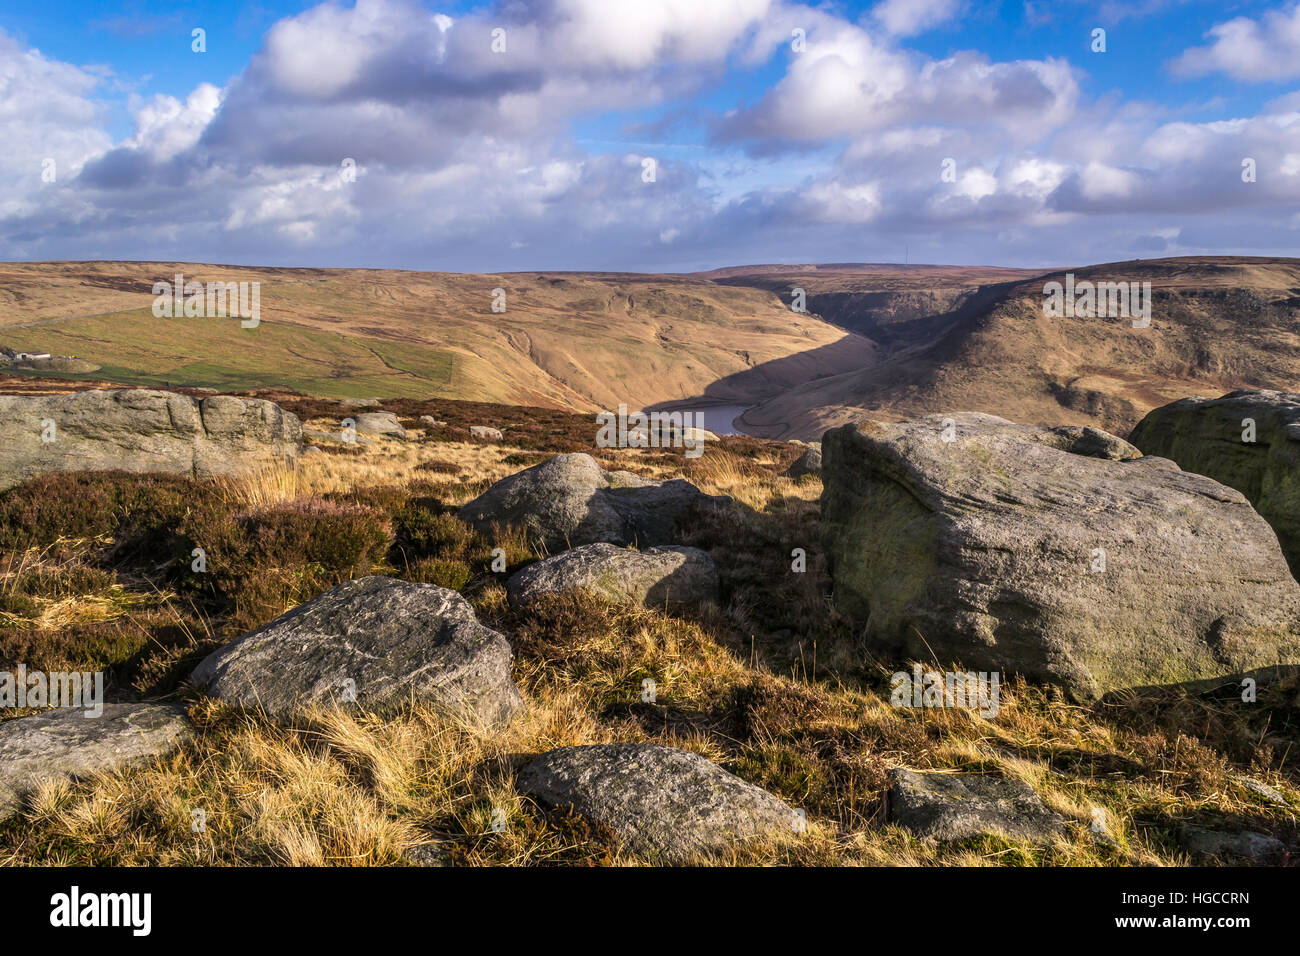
534 156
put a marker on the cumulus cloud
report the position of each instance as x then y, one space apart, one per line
51 125
849 82
1263 50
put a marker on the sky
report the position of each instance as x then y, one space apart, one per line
648 135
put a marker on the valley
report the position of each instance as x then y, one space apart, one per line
878 341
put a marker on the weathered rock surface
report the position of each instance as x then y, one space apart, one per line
392 640
359 402
569 500
1080 440
142 430
809 463
660 802
956 806
1244 845
379 423
427 854
429 421
988 550
484 433
670 576
1205 435
66 744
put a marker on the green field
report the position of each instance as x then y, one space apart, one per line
136 348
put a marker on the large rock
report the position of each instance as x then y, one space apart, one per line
485 433
670 576
371 642
569 500
660 802
142 430
958 806
379 423
66 744
1205 435
988 550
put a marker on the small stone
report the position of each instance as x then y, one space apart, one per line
1247 845
956 806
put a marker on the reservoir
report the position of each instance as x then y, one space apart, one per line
716 418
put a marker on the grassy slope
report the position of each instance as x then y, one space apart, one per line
93 573
568 340
137 349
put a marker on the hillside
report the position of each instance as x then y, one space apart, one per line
889 303
885 341
574 341
1218 324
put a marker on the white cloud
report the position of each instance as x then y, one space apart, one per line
848 83
1100 181
46 114
166 127
909 17
1261 50
1035 178
976 184
838 203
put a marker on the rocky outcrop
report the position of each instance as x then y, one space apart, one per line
372 642
142 430
484 433
663 803
957 806
656 577
968 538
1210 437
66 744
569 500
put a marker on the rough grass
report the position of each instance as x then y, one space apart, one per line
96 572
134 348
